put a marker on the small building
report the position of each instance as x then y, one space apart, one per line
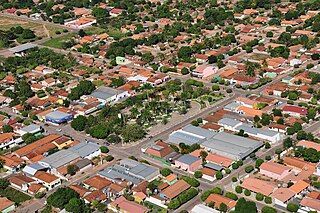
35 188
58 117
32 129
188 163
22 49
170 179
6 205
86 150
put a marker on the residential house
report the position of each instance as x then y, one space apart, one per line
6 205
217 199
295 111
274 170
188 163
258 186
48 180
97 183
204 71
123 205
282 196
20 181
174 190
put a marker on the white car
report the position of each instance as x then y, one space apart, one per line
58 130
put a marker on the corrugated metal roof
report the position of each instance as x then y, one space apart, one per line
188 159
84 149
22 47
60 158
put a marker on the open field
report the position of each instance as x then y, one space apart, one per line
14 195
39 29
58 42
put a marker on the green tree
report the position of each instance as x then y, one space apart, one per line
4 183
100 12
248 169
185 52
259 197
291 207
223 207
239 189
61 197
219 175
215 88
165 172
104 149
7 128
79 123
231 196
244 206
268 209
72 169
133 132
259 162
28 34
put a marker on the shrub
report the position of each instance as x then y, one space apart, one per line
198 174
239 189
229 90
215 190
248 169
247 192
268 157
235 165
259 162
192 181
228 171
268 209
109 158
267 145
234 179
259 196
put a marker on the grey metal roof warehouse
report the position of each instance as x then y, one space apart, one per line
229 122
188 159
23 47
199 131
57 115
105 92
30 128
130 170
84 149
31 169
117 172
255 131
231 146
59 159
190 135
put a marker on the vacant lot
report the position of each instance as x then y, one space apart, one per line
39 29
58 42
14 195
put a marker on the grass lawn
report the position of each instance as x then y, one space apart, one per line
14 195
58 42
